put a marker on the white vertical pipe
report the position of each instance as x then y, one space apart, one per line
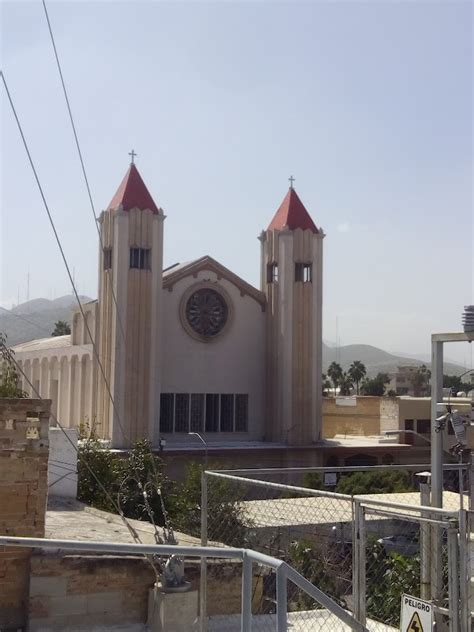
282 598
246 625
203 578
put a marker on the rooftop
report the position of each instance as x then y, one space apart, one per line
41 344
132 193
292 214
320 510
68 519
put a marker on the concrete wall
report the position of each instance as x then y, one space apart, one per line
82 592
293 336
62 464
232 363
23 490
62 373
363 419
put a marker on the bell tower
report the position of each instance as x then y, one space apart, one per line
130 303
291 278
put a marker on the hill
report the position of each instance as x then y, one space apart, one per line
376 360
36 318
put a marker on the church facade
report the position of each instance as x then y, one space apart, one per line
192 348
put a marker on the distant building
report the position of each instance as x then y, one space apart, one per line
401 382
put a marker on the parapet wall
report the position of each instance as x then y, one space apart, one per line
24 425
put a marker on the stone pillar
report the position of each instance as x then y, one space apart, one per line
24 426
172 611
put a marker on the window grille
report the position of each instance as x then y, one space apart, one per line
107 258
304 272
272 273
140 258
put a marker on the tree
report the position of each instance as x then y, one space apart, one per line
456 384
335 373
326 384
171 504
379 482
61 328
9 377
345 385
226 520
357 372
124 478
388 577
375 386
419 379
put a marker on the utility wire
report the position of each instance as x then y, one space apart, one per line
84 173
76 138
63 256
119 511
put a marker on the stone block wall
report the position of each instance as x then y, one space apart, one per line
83 591
78 592
24 425
362 419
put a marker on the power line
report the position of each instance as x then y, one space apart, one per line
84 173
63 256
116 506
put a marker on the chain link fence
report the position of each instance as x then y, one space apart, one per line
318 533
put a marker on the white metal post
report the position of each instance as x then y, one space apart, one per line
282 598
425 548
246 594
464 572
359 564
453 579
436 466
203 578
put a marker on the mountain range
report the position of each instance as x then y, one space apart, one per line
36 319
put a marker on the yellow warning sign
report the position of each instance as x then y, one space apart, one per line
415 623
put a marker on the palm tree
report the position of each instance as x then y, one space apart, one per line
346 384
326 384
61 328
357 372
335 373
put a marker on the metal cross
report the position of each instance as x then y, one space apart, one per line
291 180
132 154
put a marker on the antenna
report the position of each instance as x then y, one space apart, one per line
28 286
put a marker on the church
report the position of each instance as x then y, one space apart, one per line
191 348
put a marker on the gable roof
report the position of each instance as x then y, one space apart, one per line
132 193
292 214
179 271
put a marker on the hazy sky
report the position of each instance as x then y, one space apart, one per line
368 104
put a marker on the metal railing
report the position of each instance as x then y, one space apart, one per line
284 573
348 536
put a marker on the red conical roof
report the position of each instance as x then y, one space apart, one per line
292 214
132 193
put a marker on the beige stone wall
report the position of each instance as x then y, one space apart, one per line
129 326
71 591
24 425
232 363
65 374
363 419
293 337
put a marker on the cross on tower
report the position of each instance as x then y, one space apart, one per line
132 154
291 180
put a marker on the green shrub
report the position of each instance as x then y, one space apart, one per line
375 482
